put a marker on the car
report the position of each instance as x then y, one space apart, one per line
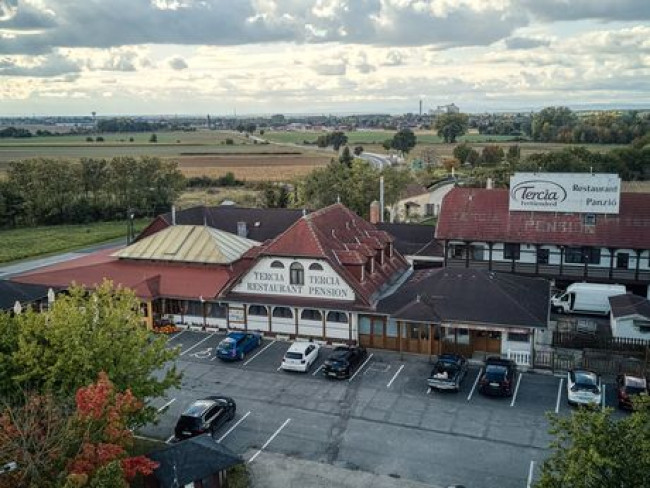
204 416
300 356
628 387
343 360
237 344
448 372
583 387
498 379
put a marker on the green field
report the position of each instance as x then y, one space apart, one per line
374 137
29 242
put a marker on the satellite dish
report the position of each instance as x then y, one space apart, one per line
8 9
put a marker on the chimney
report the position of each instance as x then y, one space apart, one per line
489 184
374 212
381 199
242 231
173 214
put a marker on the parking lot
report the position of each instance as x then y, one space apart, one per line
383 419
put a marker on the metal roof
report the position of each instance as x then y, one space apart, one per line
189 244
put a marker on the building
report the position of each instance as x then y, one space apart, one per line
416 243
484 228
27 295
419 202
630 317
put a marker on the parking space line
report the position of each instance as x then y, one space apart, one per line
395 376
514 397
531 468
198 343
233 427
178 334
269 441
260 352
279 367
166 405
559 396
319 368
603 397
169 440
469 397
428 390
360 368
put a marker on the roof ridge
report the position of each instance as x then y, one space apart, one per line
501 290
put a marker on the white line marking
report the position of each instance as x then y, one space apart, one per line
279 367
166 405
469 397
395 376
260 352
146 438
233 427
360 368
429 390
178 334
169 440
319 368
514 397
529 483
559 396
269 441
603 398
198 343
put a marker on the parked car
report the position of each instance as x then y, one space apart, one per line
498 378
237 344
448 372
343 361
204 416
300 356
628 387
583 387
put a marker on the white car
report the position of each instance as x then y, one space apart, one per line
584 388
300 356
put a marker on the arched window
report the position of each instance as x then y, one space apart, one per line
258 310
337 317
297 276
277 264
311 314
315 267
282 313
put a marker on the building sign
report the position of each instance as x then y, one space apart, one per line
565 192
235 314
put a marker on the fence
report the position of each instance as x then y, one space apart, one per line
571 340
602 362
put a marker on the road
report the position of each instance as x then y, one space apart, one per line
380 161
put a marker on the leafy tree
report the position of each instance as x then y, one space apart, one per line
404 141
99 139
89 139
593 449
514 154
551 120
387 144
338 139
473 157
358 150
450 126
261 132
84 333
492 155
346 158
153 138
462 151
450 163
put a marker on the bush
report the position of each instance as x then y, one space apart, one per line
229 141
89 139
99 139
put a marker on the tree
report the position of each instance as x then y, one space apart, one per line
492 155
594 449
404 141
153 138
473 157
450 126
387 144
346 158
450 163
337 139
550 120
514 154
86 332
358 150
462 151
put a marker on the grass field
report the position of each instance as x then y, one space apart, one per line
243 197
374 137
38 241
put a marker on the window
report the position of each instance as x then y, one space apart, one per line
258 310
457 251
391 328
478 253
297 276
511 251
573 255
282 313
277 265
311 314
622 260
643 325
195 308
517 337
364 325
340 317
590 219
582 255
215 310
430 209
315 267
542 256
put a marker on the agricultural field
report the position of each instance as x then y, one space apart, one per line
242 196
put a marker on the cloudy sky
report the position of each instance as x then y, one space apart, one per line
320 56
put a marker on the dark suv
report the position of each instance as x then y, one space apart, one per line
205 415
628 387
343 361
498 378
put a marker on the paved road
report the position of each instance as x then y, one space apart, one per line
380 161
383 421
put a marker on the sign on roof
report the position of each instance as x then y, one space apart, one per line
565 192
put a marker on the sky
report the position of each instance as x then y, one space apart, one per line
72 57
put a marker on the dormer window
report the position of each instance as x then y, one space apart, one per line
297 274
315 267
370 266
277 265
590 219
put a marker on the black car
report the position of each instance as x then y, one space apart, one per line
629 387
205 415
498 378
448 372
343 361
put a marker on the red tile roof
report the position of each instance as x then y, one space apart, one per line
477 214
148 279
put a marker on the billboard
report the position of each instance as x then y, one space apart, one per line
565 192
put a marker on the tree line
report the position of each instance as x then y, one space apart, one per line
51 191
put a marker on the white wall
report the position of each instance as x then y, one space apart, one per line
624 327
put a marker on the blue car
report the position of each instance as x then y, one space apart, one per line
237 344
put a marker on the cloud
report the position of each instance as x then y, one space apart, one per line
117 61
393 58
177 63
46 66
331 68
525 43
563 10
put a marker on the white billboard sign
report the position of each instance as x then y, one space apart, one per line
565 192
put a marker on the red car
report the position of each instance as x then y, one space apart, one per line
628 387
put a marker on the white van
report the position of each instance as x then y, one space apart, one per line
591 298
